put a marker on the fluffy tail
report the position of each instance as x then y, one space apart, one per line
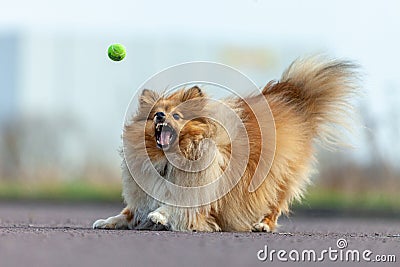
319 89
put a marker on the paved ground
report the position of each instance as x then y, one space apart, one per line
60 235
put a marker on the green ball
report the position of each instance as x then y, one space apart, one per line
116 52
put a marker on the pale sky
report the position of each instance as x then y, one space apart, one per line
208 16
366 30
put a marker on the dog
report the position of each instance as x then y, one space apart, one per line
308 104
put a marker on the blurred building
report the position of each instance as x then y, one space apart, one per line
9 53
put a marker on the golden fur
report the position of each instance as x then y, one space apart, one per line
307 104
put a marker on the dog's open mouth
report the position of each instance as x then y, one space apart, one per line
165 135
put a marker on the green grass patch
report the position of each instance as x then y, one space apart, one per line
71 191
80 190
330 199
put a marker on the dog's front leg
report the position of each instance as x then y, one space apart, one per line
120 221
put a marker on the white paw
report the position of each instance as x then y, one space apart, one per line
114 222
261 227
158 218
102 224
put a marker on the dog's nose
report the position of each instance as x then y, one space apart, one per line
160 117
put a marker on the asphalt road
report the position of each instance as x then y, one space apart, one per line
60 235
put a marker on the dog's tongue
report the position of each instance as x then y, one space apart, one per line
165 137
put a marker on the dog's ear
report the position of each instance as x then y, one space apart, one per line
148 98
193 102
191 93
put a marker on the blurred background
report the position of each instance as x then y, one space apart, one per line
62 101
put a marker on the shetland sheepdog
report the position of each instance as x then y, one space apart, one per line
308 104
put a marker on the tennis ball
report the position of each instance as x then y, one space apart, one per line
116 52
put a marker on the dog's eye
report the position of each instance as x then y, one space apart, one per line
176 116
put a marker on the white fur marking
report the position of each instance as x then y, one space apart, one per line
261 227
113 222
158 218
